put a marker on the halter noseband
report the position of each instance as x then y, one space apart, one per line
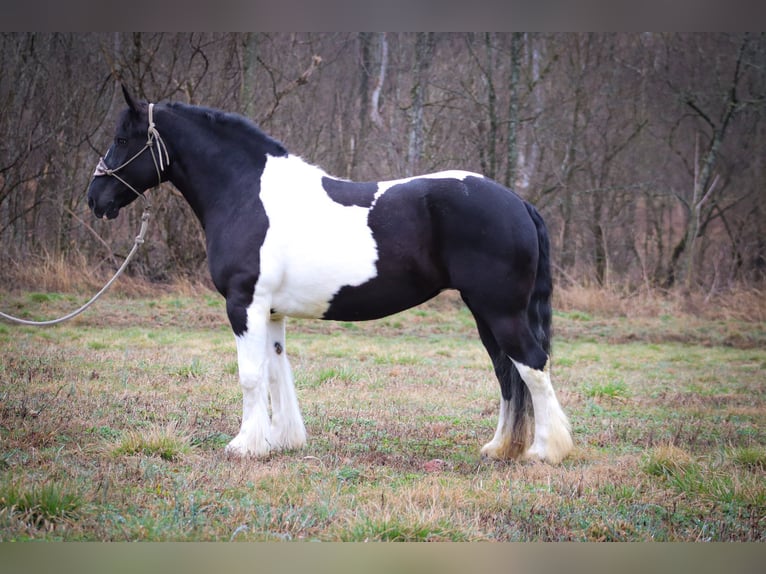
159 165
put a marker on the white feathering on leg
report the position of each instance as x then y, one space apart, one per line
553 440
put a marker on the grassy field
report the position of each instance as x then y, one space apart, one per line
112 427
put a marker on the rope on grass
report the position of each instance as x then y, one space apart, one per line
136 244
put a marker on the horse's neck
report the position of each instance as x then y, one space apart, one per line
204 173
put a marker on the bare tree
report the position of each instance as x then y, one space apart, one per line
424 47
513 109
645 152
712 109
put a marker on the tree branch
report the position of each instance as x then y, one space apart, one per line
316 60
690 102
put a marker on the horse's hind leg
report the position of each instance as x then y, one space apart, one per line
287 428
552 440
513 426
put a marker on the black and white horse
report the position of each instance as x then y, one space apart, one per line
286 239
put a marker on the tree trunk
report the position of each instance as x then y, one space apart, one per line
378 87
247 87
599 246
700 208
512 154
423 51
491 107
703 187
569 168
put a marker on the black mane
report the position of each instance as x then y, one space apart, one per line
242 127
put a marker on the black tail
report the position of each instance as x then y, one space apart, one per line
540 311
539 314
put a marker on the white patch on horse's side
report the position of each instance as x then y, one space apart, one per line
384 186
314 245
552 440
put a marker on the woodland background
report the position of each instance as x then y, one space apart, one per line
645 152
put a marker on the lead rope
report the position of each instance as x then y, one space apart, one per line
101 169
138 241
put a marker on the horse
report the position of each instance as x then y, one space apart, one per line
286 239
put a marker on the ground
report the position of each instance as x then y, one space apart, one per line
112 427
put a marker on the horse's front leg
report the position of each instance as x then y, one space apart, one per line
253 361
287 428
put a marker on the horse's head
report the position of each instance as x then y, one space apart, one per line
135 161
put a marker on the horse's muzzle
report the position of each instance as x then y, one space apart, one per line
110 211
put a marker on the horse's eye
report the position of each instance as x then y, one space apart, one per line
121 141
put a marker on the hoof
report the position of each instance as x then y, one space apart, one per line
289 440
535 454
501 450
496 451
490 451
554 454
241 447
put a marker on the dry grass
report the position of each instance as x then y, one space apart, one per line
116 424
73 274
49 273
740 304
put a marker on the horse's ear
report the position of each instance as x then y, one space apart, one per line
131 101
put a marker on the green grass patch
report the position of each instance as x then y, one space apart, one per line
192 370
576 316
613 389
397 530
44 297
751 457
331 375
163 442
49 502
668 461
